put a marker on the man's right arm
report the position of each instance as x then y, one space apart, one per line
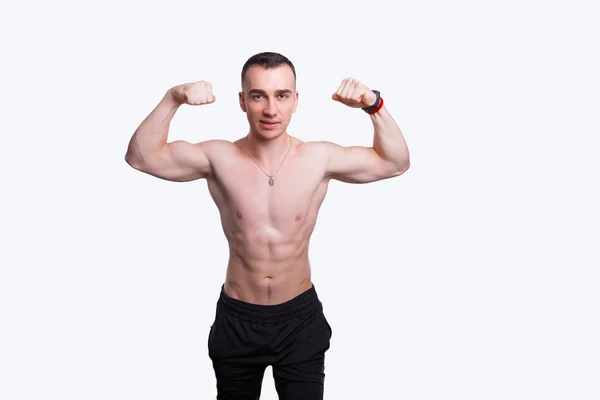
179 161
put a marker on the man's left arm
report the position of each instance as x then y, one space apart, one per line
389 155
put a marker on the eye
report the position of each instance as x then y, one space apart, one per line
257 96
283 95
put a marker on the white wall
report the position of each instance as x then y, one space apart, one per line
472 276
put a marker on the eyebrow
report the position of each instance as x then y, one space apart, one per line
259 91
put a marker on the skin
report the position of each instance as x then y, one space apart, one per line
268 228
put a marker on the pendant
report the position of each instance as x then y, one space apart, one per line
271 182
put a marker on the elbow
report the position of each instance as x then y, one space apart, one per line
403 167
133 161
129 159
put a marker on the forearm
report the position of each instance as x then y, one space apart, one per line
388 140
152 133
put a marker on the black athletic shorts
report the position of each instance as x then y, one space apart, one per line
292 337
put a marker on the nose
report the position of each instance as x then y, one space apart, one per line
270 108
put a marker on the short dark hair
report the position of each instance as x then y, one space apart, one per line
267 60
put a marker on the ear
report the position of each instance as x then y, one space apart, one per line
242 101
295 102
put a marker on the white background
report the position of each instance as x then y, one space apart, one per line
472 276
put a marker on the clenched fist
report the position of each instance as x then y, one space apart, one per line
354 94
194 93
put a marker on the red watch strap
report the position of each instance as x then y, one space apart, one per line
378 107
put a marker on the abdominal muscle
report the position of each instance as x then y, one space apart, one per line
271 278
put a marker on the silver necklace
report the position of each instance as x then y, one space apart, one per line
271 181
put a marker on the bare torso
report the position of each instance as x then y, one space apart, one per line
268 228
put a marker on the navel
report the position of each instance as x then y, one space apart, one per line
269 288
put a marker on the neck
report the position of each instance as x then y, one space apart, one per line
268 152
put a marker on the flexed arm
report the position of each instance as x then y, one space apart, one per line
389 155
180 161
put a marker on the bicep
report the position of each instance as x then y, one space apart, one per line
357 164
180 161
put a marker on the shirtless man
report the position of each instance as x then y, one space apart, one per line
268 187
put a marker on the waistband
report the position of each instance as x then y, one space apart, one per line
304 304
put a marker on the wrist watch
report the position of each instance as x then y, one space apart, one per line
372 108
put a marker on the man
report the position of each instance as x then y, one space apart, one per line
268 187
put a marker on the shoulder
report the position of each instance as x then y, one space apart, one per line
321 148
215 148
216 144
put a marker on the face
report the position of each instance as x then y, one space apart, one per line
269 99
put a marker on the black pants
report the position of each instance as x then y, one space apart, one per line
291 337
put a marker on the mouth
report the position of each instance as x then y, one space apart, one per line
269 124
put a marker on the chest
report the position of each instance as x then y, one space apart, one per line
244 196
